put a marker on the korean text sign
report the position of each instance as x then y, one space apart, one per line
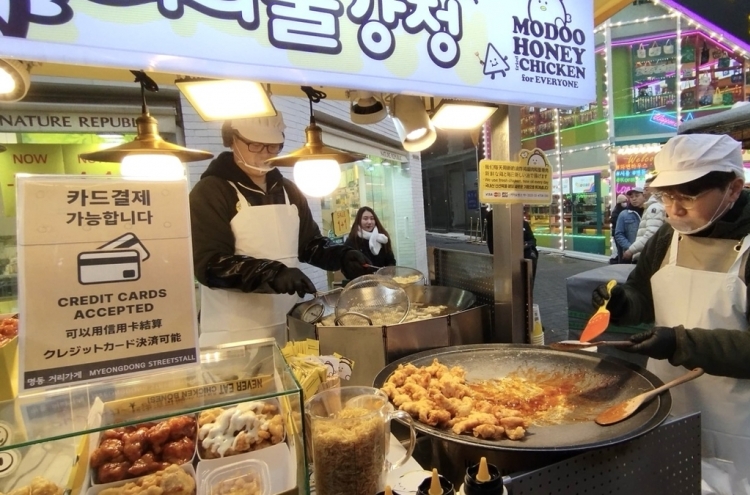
520 52
527 181
105 278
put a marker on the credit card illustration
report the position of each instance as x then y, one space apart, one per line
127 241
103 267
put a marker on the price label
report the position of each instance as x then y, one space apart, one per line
341 222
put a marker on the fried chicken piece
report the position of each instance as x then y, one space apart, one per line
472 421
389 389
157 435
38 486
276 429
115 433
416 392
146 465
402 373
175 481
242 443
209 416
399 399
515 433
269 409
133 444
113 471
503 412
110 450
179 452
483 406
512 422
181 426
427 412
489 432
421 379
436 369
453 386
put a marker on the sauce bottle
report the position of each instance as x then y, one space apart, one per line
483 479
436 485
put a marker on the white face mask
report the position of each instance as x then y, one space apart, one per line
263 170
682 228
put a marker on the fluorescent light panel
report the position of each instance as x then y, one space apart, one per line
226 99
461 115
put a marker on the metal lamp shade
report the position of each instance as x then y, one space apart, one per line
314 149
147 142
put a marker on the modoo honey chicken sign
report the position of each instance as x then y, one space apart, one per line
527 181
105 278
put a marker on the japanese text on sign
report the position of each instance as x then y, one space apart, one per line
527 181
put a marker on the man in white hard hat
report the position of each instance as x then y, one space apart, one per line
691 282
251 228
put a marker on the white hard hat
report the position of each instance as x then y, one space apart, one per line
268 130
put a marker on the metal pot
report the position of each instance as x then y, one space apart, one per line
607 381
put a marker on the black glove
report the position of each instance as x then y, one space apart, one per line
657 343
617 302
291 280
353 264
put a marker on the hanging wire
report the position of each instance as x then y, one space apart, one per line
314 95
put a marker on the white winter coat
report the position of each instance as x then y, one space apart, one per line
654 216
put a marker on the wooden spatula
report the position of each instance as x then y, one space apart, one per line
599 321
624 410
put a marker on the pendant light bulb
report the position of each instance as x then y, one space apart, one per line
7 84
317 178
152 167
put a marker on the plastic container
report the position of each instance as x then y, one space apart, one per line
445 485
493 486
248 476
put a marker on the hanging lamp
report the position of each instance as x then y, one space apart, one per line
148 150
317 169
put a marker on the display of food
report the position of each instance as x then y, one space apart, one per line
8 330
243 428
248 484
38 486
489 409
171 481
416 312
134 451
349 453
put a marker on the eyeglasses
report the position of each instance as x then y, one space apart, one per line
687 202
253 147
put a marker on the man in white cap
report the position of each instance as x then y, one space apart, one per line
251 227
690 281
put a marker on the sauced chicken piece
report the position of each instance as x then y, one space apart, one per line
427 412
157 435
133 444
462 425
110 450
181 426
146 465
489 432
179 452
112 471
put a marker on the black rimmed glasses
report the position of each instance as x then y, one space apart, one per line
687 202
253 147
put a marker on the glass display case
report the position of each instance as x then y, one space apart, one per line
61 434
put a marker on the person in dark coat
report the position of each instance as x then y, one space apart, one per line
369 237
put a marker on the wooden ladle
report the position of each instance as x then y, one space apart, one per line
624 410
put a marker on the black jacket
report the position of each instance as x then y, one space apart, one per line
529 241
383 258
213 204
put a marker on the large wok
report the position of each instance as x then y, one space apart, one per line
607 381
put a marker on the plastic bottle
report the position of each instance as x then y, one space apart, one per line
483 479
436 485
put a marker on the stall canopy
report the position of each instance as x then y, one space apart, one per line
520 54
735 122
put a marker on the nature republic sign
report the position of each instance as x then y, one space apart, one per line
532 52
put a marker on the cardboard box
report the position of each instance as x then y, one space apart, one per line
9 370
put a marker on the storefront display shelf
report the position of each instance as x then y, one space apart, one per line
226 375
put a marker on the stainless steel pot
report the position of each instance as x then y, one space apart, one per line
607 380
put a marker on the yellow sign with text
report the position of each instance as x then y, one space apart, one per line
527 181
341 222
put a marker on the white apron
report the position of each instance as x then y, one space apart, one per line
269 232
703 299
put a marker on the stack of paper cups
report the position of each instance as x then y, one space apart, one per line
537 334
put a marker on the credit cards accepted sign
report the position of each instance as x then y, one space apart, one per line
105 278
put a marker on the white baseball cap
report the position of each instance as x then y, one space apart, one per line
634 190
687 157
269 130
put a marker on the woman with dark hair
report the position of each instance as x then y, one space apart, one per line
369 237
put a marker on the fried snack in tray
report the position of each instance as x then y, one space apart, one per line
246 427
8 330
244 485
38 486
171 481
138 450
440 396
